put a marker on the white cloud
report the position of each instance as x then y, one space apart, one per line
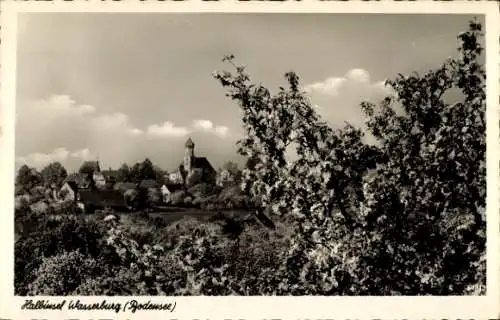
203 124
339 98
82 154
357 79
358 75
60 105
136 132
39 160
208 126
222 130
167 129
60 121
329 86
84 132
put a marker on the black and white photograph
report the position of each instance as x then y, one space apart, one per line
250 154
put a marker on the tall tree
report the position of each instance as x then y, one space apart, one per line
160 175
54 174
123 173
135 173
147 170
88 168
431 194
27 178
420 225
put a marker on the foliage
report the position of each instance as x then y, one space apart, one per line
146 170
234 171
177 197
123 174
160 175
46 236
27 178
87 168
62 273
53 174
433 172
431 193
135 173
130 195
203 190
154 196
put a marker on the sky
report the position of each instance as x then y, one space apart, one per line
122 87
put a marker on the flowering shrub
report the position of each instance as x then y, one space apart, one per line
63 273
386 235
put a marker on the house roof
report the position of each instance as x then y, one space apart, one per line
81 180
110 174
202 162
148 183
103 198
73 185
125 186
172 187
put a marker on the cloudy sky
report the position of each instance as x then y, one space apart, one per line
124 87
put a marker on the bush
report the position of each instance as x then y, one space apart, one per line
188 200
61 274
177 197
43 236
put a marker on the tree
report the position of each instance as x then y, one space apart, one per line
130 195
88 168
123 173
160 175
233 169
142 171
147 170
312 188
154 196
431 194
27 178
135 173
414 227
54 174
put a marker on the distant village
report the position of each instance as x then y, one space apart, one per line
93 188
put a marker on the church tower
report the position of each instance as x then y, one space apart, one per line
188 155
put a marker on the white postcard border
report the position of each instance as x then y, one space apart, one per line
257 307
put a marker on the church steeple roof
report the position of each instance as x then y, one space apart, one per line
189 143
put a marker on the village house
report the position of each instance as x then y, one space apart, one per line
82 181
91 200
193 169
92 192
148 184
124 186
103 179
68 191
168 189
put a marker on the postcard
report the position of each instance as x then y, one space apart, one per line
250 160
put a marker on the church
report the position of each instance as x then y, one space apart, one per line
193 169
